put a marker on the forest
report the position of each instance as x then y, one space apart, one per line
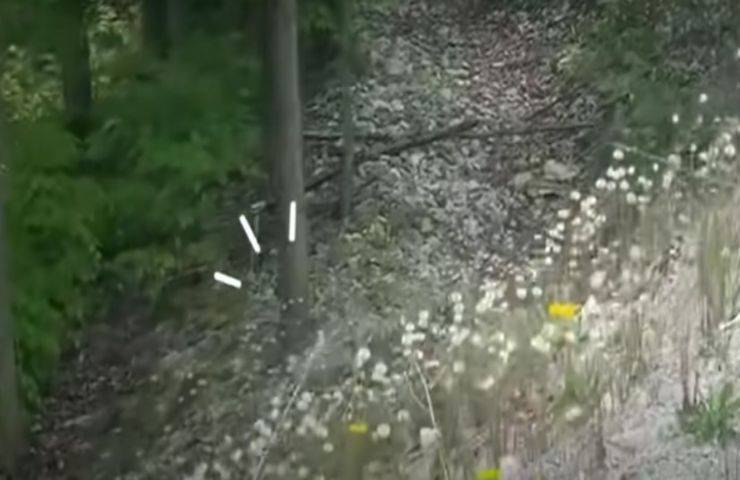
369 239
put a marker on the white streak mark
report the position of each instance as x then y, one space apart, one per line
291 225
250 234
227 280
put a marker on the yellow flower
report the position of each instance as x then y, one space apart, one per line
489 474
564 311
359 428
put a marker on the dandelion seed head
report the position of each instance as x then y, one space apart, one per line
383 431
618 154
667 180
363 355
428 437
597 279
675 118
573 413
424 318
486 384
674 160
379 372
703 98
730 150
540 344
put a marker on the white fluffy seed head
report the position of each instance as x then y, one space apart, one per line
383 431
363 355
428 437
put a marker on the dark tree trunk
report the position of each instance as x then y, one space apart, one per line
154 25
76 73
12 432
285 154
176 19
348 127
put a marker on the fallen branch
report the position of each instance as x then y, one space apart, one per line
332 137
397 147
529 130
460 129
564 97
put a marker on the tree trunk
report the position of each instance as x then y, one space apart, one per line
12 438
348 127
155 27
76 74
176 19
285 154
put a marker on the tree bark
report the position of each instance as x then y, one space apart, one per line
176 19
12 432
348 127
76 73
285 154
155 28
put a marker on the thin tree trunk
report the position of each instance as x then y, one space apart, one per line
76 73
285 152
348 127
154 27
12 438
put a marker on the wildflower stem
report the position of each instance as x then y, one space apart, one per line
431 413
320 341
426 392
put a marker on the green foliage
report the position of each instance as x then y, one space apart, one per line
51 221
126 207
165 151
713 420
628 52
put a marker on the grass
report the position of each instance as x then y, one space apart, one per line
714 419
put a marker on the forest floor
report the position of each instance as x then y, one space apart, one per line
148 398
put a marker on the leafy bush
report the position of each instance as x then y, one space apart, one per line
126 208
52 218
633 53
